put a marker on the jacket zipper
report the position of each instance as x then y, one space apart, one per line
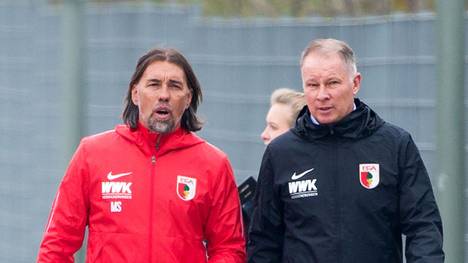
337 197
153 165
338 204
153 174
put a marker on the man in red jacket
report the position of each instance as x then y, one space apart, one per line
149 190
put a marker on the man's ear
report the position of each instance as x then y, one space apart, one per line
189 100
356 83
135 98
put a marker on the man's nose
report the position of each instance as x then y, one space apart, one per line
265 136
323 93
164 93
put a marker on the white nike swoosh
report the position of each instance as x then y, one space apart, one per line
295 177
111 176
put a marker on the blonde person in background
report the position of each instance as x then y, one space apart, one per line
285 105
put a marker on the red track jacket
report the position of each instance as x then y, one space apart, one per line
146 198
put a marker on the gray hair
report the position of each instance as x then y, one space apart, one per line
331 45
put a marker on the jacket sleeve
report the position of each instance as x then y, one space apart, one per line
67 220
224 230
266 233
419 214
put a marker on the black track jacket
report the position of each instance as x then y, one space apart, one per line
343 194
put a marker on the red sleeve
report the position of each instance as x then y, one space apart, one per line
224 229
65 229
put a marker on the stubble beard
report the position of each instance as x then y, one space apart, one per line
157 126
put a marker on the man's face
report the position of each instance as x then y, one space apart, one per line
329 86
162 96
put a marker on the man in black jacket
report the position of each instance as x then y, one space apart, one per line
343 185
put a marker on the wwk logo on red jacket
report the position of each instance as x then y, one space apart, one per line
114 189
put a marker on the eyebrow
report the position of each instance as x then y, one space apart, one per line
153 80
170 80
176 82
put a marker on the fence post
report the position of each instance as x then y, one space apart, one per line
450 124
73 68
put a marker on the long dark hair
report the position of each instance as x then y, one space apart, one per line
189 120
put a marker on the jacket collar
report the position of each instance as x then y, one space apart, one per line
361 122
152 143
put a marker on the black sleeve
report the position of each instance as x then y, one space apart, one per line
419 214
266 231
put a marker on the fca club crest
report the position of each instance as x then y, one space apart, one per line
369 175
186 187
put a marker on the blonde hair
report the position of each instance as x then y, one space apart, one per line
294 99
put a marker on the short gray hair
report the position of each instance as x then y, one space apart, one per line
330 45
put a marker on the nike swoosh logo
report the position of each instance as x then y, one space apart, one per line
111 176
297 176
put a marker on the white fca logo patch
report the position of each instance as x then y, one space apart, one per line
369 175
186 187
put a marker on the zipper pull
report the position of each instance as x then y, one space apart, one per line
153 159
158 141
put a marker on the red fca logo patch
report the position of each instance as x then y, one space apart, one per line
369 175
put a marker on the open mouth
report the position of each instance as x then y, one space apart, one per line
162 113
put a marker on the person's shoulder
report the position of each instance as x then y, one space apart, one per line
99 138
393 131
207 154
393 128
285 140
205 147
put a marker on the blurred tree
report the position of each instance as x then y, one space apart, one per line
301 8
295 8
